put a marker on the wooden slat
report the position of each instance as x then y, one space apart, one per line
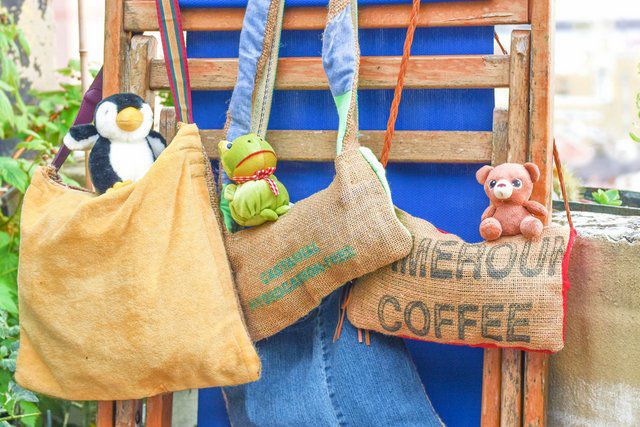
159 410
378 72
500 136
540 152
128 413
491 382
116 42
104 416
143 50
536 373
408 146
141 16
519 96
511 388
168 123
541 136
492 365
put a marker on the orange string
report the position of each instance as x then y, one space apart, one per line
397 94
556 159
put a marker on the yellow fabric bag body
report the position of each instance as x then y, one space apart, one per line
129 294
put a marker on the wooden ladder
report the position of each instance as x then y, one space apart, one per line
514 389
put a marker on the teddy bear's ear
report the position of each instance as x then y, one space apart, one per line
483 173
534 171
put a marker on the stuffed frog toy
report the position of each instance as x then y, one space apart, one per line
256 195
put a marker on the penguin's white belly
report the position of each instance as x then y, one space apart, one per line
130 160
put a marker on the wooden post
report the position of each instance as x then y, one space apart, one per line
511 389
519 96
492 365
536 367
105 415
116 43
138 62
159 410
128 413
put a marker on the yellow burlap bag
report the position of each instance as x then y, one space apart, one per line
129 294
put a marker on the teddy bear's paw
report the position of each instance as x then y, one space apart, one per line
531 227
490 229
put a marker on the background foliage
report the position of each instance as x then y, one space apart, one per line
33 123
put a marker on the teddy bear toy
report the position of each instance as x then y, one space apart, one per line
510 212
257 196
123 145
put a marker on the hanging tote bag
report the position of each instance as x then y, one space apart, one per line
129 294
508 293
283 269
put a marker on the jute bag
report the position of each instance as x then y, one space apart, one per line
129 294
507 293
283 269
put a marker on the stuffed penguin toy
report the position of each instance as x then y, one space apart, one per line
122 142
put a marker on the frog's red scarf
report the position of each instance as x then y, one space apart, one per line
260 174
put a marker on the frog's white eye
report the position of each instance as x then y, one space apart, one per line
229 144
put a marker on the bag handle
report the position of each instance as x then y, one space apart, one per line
250 103
90 99
341 62
397 96
175 57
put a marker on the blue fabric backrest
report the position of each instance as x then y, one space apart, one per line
445 194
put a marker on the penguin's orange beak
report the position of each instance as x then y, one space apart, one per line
129 119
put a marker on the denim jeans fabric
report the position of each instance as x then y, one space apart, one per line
308 380
251 42
338 53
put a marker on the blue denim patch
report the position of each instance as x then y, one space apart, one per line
338 53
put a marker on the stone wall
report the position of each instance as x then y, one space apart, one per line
35 18
595 380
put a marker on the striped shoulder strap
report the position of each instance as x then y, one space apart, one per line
175 54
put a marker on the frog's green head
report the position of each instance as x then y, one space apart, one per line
245 155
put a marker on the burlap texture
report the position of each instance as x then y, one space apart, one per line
507 293
129 294
284 269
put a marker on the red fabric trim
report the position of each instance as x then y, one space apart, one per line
565 278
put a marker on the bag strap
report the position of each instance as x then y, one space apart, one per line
397 96
341 62
250 103
90 99
175 57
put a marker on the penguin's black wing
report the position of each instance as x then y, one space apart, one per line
156 143
102 174
81 137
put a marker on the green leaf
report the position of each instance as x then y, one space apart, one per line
29 408
35 144
6 87
5 239
635 137
24 44
8 299
6 110
609 198
12 173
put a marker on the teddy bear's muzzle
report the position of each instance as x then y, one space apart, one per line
503 189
